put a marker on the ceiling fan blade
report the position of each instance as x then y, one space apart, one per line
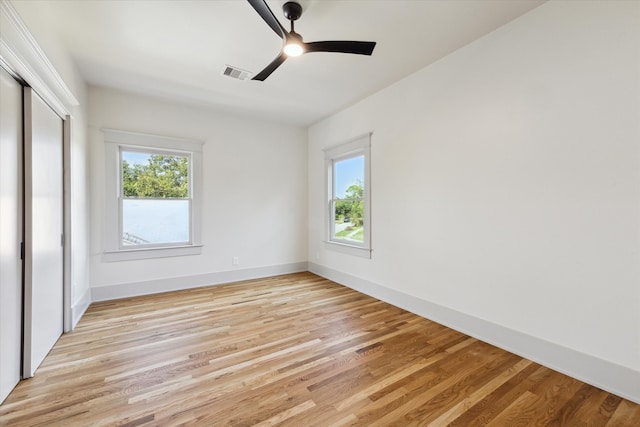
270 68
341 46
267 15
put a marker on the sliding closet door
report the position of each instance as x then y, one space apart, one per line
10 232
43 310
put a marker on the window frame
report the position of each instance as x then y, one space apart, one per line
117 141
360 146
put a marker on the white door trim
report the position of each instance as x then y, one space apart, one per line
21 55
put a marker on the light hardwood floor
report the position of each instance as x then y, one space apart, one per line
294 350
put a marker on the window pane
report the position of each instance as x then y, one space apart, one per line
349 220
149 175
349 178
154 221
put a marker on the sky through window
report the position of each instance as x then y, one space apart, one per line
347 173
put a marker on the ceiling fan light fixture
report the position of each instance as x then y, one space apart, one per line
293 49
294 46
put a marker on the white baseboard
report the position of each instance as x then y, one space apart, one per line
124 290
78 309
600 373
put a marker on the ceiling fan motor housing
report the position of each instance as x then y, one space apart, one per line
292 10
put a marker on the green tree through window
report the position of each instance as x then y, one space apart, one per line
352 205
161 178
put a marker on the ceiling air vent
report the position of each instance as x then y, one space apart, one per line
235 72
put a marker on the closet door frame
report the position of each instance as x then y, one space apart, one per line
25 60
22 57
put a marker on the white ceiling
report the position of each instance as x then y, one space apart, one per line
178 49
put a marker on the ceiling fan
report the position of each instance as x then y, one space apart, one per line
293 45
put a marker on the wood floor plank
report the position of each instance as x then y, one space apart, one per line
625 415
472 398
293 350
495 402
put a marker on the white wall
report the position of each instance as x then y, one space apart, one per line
38 24
506 188
255 191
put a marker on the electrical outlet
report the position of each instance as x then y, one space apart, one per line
235 261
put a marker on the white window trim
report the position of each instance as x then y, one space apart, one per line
114 139
355 147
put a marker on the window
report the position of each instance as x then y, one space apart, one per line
153 196
348 220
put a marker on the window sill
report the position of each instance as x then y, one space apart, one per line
149 253
348 249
